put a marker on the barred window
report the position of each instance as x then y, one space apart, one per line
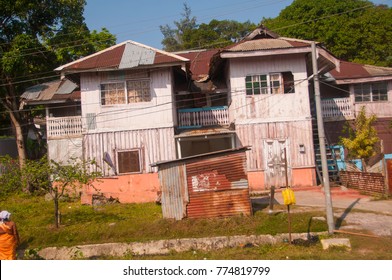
113 93
138 91
132 91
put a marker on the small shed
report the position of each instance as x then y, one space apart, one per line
207 185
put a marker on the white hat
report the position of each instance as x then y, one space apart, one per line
5 215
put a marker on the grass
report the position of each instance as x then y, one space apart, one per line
83 224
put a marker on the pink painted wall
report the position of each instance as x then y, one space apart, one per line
256 181
301 177
137 188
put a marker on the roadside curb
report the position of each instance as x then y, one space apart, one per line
161 247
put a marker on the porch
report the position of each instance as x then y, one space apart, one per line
203 117
62 127
335 109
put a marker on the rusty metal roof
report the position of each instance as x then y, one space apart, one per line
128 54
267 44
200 62
245 148
350 70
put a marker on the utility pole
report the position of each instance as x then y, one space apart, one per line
320 126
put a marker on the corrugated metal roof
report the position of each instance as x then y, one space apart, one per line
265 44
58 90
200 61
350 70
42 91
66 87
125 55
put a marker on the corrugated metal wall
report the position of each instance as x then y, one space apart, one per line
218 186
174 193
155 145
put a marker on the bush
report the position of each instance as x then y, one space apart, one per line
10 176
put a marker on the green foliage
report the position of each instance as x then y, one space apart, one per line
353 30
10 176
187 34
362 140
35 37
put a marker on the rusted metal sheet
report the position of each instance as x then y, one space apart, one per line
209 185
218 186
389 175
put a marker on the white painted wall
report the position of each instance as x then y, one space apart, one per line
154 114
382 109
265 108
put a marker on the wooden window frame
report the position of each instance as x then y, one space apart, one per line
271 83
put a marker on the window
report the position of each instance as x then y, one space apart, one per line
138 91
272 83
112 93
132 91
370 92
129 161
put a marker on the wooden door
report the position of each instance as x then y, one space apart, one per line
275 162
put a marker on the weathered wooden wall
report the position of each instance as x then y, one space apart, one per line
156 144
270 107
159 112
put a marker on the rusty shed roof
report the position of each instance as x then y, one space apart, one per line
245 148
128 54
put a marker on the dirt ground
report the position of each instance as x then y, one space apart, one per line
352 211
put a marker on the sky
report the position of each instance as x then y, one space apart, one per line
140 20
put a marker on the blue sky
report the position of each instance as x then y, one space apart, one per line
140 20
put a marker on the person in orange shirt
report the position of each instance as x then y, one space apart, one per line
9 237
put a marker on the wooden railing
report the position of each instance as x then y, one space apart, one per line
202 117
64 127
337 108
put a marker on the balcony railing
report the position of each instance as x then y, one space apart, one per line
202 117
64 127
337 108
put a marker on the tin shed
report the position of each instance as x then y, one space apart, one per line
206 185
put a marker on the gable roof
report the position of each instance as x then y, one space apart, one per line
351 72
263 42
128 54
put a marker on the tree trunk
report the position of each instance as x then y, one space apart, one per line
364 167
20 142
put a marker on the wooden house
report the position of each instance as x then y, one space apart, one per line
141 105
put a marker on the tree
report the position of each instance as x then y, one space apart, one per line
362 138
35 37
353 30
189 35
59 179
